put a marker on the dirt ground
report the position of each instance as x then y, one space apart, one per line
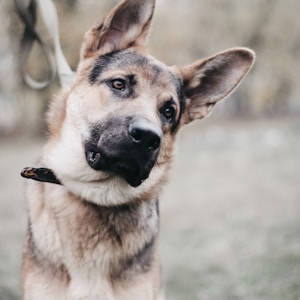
230 217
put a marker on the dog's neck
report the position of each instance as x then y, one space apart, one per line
125 236
115 243
120 225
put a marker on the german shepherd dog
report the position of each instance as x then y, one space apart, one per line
110 145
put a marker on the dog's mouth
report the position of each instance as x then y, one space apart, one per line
125 147
133 170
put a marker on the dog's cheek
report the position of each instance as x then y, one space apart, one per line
166 151
87 105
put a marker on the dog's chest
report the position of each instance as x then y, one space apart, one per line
93 287
93 249
106 241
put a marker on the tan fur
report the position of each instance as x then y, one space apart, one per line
95 236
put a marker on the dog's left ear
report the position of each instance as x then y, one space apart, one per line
208 81
126 25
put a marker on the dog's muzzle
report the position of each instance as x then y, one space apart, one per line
127 148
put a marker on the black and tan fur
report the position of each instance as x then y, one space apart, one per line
111 137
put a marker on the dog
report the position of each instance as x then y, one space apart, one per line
93 210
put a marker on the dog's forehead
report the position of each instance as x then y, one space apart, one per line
147 67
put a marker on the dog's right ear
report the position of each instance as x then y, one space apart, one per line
127 25
208 81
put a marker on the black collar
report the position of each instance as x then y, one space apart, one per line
40 174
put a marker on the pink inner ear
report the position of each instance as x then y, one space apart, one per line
111 37
126 25
219 75
212 79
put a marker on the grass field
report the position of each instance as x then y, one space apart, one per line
230 217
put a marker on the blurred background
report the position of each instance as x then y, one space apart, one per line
230 225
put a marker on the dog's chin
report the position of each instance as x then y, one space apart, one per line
129 172
127 168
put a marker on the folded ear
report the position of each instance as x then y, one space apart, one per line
207 81
126 25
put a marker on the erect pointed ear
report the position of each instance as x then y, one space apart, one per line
207 81
125 26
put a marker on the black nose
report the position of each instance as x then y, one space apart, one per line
145 135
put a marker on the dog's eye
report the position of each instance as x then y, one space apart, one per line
169 112
118 84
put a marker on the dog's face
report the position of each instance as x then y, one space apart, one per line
112 133
141 104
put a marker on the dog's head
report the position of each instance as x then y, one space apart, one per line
112 132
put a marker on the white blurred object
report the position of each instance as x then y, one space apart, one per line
49 15
273 138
